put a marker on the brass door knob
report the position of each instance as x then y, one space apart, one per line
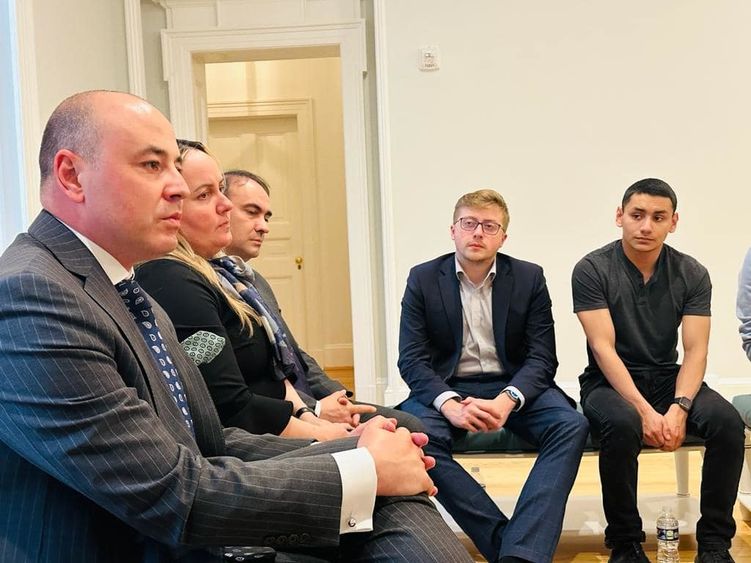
298 261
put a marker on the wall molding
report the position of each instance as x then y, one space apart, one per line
31 129
396 390
182 49
337 355
192 14
134 45
12 199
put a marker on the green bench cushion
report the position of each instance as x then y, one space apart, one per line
743 404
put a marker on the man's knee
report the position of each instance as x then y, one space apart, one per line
574 421
403 418
578 426
726 427
619 429
571 426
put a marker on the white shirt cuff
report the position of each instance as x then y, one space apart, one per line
317 409
521 397
358 474
443 397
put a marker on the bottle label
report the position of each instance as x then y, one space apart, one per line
667 534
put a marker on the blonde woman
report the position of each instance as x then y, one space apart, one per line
235 347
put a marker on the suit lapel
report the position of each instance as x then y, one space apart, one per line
502 286
78 260
449 289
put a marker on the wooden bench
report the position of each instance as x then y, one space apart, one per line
504 443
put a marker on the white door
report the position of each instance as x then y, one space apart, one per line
271 147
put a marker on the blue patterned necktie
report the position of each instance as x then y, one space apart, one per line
236 279
140 308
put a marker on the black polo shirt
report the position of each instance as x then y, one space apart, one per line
645 316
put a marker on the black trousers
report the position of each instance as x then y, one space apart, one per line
618 426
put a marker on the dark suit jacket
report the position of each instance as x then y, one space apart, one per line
95 462
431 328
320 384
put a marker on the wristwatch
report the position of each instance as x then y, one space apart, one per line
683 402
302 410
513 394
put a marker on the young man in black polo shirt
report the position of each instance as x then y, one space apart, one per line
630 297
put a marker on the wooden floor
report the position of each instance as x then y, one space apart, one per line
656 476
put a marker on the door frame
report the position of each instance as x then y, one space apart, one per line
302 110
182 56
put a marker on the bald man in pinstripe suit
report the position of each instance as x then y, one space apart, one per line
96 461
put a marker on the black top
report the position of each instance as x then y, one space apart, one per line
645 316
240 377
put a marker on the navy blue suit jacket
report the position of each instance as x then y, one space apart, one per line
431 328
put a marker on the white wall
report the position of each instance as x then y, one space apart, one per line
80 45
50 50
560 106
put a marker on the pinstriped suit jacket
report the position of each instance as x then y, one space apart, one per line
95 463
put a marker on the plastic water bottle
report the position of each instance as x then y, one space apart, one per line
475 471
667 537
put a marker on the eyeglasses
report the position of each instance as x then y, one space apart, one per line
470 224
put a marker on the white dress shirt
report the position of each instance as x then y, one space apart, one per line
479 355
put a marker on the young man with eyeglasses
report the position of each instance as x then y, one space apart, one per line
477 349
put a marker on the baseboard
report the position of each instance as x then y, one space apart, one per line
338 355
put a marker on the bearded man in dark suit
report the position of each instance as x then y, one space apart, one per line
250 223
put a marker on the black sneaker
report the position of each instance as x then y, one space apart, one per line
628 553
721 556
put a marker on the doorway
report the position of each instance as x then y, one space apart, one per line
185 54
283 120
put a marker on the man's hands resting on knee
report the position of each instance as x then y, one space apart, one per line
401 465
479 415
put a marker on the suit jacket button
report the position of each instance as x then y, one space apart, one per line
305 537
281 540
269 540
293 539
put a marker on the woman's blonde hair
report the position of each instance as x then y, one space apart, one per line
184 253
